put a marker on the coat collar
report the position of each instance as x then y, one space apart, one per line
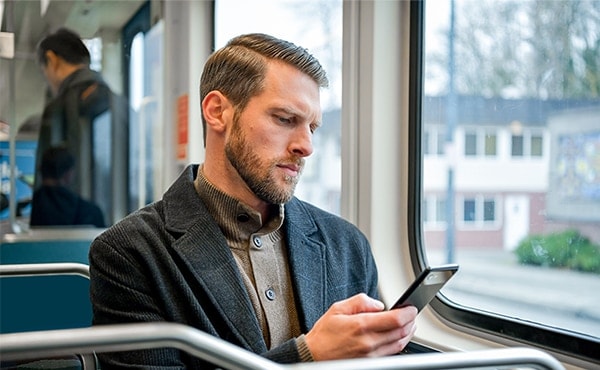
212 264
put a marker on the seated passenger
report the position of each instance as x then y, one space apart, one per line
54 203
229 250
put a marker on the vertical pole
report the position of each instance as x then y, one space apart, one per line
451 118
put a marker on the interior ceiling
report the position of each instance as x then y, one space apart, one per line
86 17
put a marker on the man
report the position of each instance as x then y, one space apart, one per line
82 106
54 203
229 250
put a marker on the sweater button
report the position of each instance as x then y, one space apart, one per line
270 293
257 241
243 217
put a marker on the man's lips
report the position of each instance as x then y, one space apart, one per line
290 169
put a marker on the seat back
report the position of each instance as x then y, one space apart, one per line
48 245
44 297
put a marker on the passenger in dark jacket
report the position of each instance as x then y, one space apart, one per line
71 117
54 203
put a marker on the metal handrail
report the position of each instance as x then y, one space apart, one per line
138 336
503 358
127 337
39 269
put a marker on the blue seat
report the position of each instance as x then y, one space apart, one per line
50 245
44 297
45 302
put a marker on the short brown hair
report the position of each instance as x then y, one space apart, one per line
238 69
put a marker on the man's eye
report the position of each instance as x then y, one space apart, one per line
284 120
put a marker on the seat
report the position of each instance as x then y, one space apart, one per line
45 296
48 245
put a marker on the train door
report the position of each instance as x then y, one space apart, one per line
143 67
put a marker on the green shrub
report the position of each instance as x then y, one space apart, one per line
567 249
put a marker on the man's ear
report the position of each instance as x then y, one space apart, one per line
51 59
217 110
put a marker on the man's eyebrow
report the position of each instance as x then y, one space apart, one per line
286 110
294 112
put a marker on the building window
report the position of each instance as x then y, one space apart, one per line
433 141
440 142
440 210
536 146
517 146
490 144
469 210
470 143
489 210
479 210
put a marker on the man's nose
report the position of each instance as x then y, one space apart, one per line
301 143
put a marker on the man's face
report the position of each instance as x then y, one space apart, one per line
271 137
49 70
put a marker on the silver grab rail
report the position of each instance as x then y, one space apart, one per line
127 337
503 358
38 269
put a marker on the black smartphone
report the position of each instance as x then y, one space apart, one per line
426 286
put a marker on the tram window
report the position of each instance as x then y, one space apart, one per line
538 180
317 26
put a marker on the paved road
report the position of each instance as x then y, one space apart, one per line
494 281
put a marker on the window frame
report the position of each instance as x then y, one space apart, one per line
484 324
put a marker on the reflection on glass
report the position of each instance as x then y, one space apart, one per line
525 222
98 139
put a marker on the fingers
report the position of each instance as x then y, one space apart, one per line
394 345
358 327
358 303
390 320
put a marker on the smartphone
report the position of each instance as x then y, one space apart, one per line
426 286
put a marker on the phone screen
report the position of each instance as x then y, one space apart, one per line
426 286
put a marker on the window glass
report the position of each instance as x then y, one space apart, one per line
440 210
489 210
536 146
490 144
517 146
469 210
525 75
470 143
441 140
317 26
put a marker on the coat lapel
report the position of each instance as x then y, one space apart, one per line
204 249
307 264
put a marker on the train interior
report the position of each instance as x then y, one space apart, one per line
454 132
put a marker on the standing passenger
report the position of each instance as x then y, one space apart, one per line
82 105
229 250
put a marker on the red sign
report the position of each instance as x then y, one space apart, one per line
182 127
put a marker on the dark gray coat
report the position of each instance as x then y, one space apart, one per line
170 262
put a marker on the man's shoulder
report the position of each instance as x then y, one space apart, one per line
300 207
310 216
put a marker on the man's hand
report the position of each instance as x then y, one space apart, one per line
358 327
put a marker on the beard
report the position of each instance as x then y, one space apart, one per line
260 175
